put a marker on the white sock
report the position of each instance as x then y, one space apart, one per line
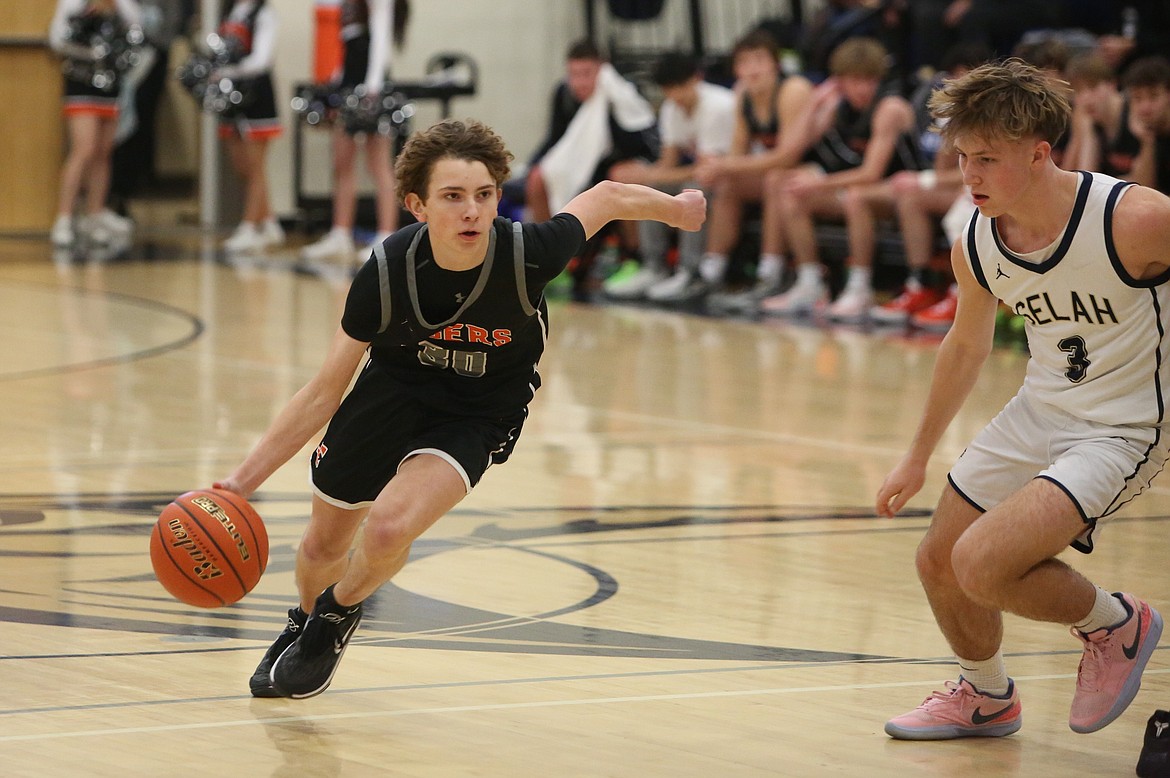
808 275
988 676
712 267
1108 611
858 279
771 267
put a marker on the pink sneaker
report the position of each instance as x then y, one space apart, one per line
1111 667
960 711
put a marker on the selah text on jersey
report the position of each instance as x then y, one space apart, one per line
1097 337
468 341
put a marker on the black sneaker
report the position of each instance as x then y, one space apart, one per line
306 668
260 682
1155 759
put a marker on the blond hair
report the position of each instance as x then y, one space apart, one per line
1009 100
862 57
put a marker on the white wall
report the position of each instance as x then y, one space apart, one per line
518 44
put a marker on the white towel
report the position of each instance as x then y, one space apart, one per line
569 164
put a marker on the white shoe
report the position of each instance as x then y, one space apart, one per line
245 238
335 244
95 230
851 306
634 286
271 233
680 287
119 226
800 300
61 235
362 254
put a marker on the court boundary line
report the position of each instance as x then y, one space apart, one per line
503 706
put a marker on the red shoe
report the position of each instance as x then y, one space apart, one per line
940 316
914 298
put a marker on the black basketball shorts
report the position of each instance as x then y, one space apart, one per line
379 426
258 118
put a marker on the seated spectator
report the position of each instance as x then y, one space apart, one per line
695 122
861 135
1145 142
765 145
918 198
1100 117
598 125
1052 54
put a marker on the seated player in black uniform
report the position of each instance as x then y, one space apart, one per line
452 313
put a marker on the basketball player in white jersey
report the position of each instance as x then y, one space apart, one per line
1083 257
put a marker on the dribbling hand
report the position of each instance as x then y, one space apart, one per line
229 485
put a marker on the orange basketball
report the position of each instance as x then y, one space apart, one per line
209 548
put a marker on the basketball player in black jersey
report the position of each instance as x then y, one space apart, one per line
452 313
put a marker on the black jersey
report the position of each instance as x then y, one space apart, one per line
761 135
1119 153
464 341
843 146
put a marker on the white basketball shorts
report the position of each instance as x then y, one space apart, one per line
1099 467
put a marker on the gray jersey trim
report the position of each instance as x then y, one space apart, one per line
383 285
518 258
485 271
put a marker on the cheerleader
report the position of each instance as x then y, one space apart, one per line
91 117
366 36
249 27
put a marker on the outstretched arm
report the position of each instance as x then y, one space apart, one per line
960 357
305 415
609 200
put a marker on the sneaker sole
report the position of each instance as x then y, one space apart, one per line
793 313
889 319
952 732
266 691
1132 683
305 695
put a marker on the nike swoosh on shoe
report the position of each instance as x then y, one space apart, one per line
1131 651
979 718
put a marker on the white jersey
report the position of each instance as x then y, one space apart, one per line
1097 337
707 130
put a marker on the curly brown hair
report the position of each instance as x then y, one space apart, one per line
450 139
1010 99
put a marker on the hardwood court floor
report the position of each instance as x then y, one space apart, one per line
678 573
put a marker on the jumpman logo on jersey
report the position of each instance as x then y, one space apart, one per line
999 272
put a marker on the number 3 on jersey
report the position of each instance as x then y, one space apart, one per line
472 364
1078 358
